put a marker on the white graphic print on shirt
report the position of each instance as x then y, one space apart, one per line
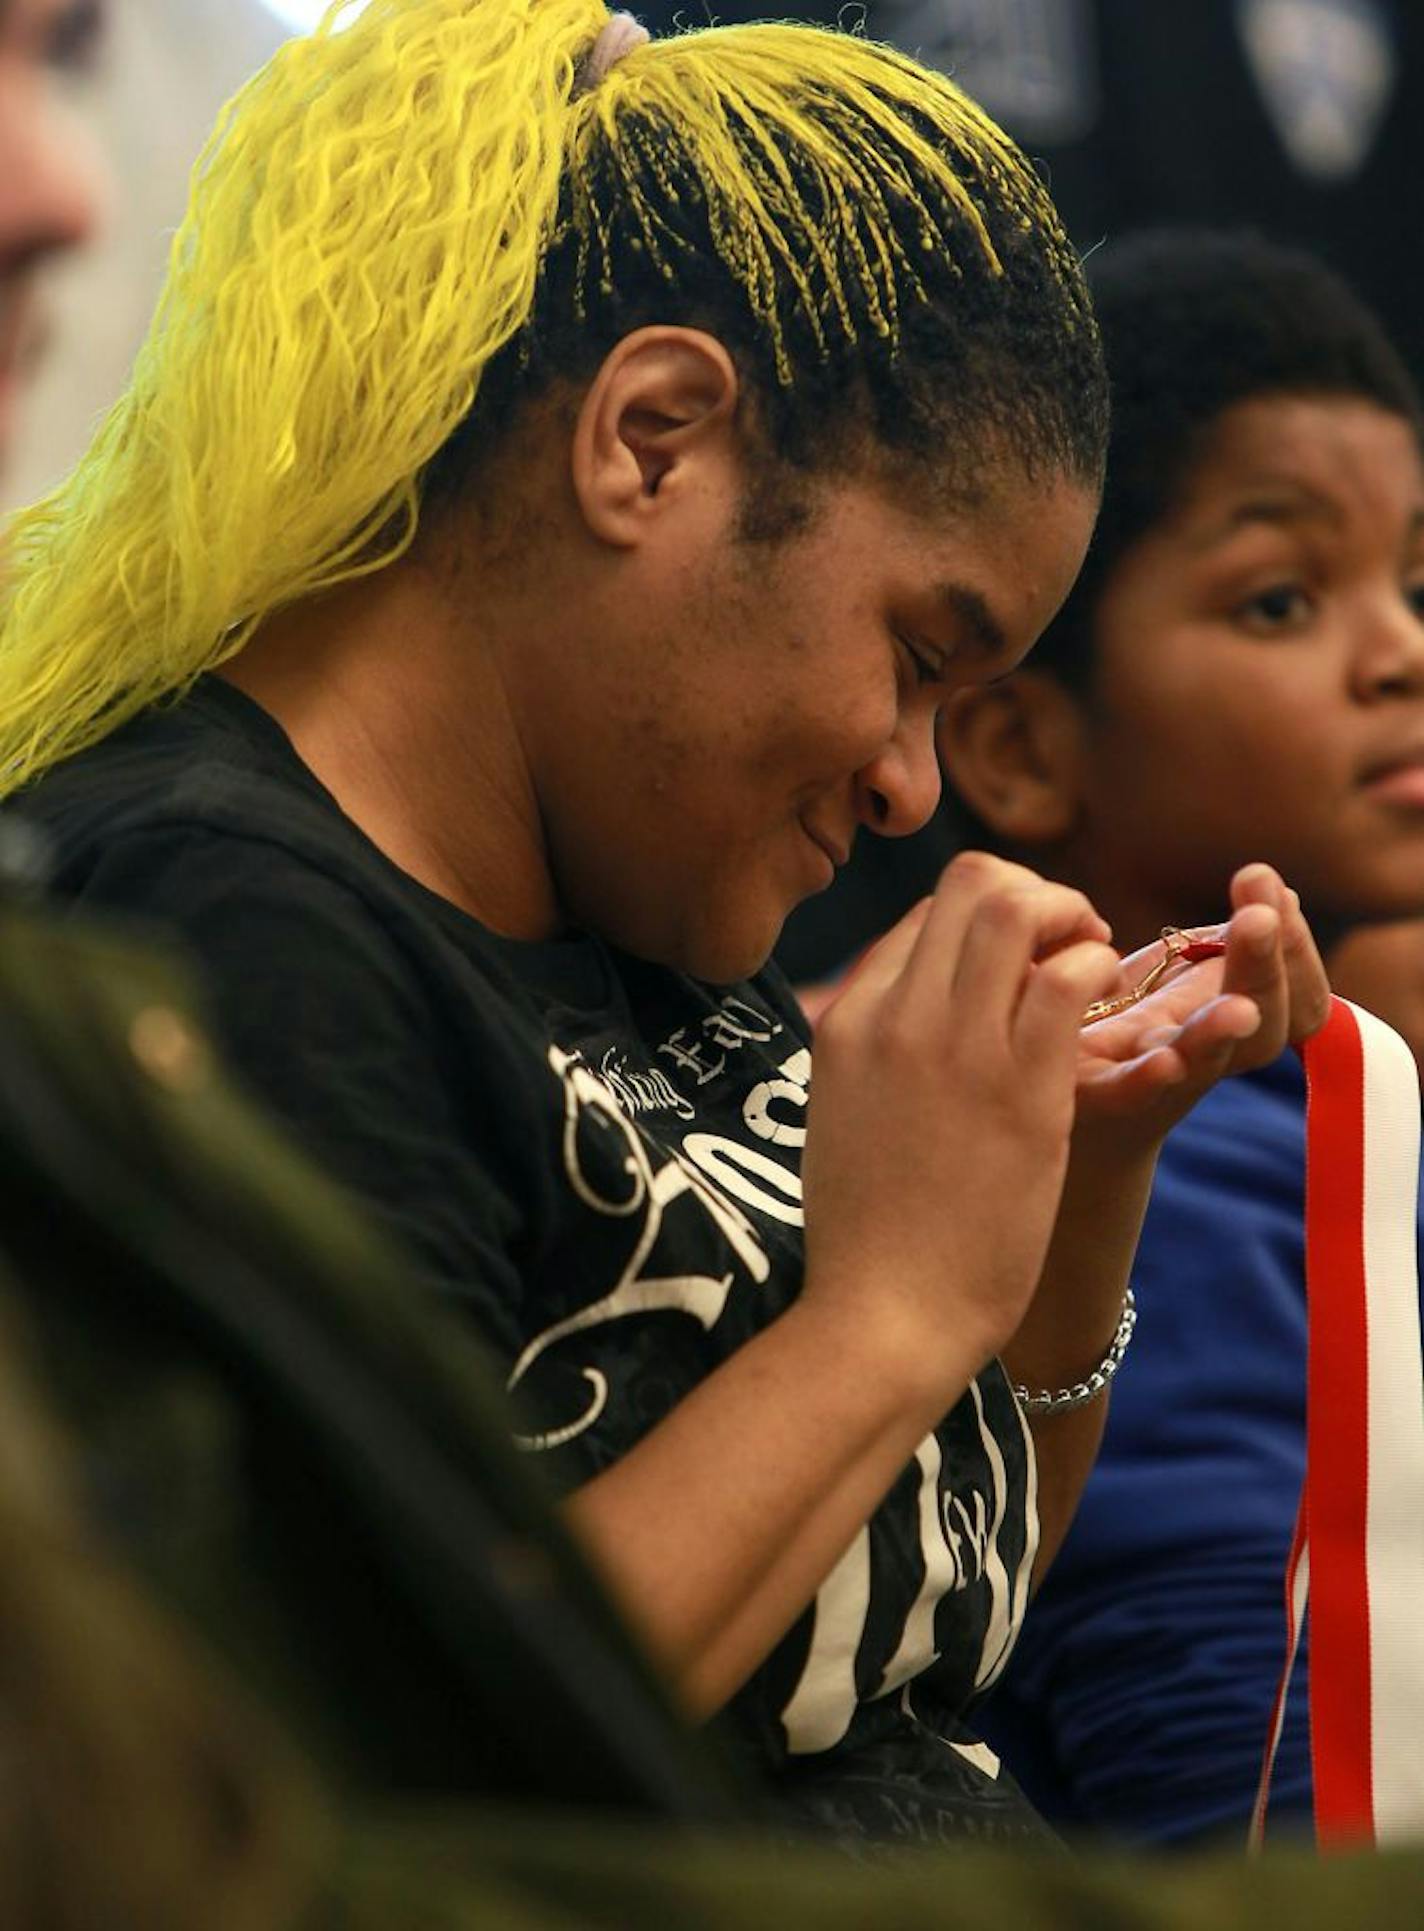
730 1182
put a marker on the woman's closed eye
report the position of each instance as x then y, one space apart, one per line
927 665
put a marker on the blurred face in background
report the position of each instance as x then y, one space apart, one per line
50 180
1259 672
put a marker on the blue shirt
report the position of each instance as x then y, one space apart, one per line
1138 1700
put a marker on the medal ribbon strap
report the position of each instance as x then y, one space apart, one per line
1360 1537
1337 1461
1394 1454
1297 1590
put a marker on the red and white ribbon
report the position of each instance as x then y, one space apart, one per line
1358 1552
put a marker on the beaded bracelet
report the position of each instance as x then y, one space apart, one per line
1061 1401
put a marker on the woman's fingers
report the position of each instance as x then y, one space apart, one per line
975 947
1305 971
880 966
939 1121
1254 968
996 926
1305 990
967 879
1210 1020
1182 1058
1058 991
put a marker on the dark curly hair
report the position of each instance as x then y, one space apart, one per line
914 312
1195 321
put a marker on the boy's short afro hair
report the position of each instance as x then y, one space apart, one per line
1194 322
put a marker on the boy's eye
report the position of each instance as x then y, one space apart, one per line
1276 608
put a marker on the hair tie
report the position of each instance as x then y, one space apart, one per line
620 35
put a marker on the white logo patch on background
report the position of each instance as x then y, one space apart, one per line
1030 62
1326 72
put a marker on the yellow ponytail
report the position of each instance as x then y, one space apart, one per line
332 296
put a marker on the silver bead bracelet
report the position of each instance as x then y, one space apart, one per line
1062 1401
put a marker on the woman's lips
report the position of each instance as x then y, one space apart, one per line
836 854
830 857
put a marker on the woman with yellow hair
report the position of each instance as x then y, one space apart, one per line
565 476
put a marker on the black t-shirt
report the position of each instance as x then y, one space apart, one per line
597 1161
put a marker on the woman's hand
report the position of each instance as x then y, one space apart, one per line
1139 1072
1144 1068
940 1116
937 1138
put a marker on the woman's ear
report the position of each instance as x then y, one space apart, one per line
1013 750
657 421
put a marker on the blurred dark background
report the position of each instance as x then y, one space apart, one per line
1304 118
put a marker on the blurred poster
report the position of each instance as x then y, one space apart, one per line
1034 61
1325 71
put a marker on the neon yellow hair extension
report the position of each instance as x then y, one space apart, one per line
340 279
364 234
817 93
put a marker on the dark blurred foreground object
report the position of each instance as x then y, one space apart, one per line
283 1440
287 1635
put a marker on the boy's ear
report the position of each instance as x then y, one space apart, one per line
1014 751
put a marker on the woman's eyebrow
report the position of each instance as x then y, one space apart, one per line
970 609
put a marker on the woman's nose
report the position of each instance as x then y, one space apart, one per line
898 790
